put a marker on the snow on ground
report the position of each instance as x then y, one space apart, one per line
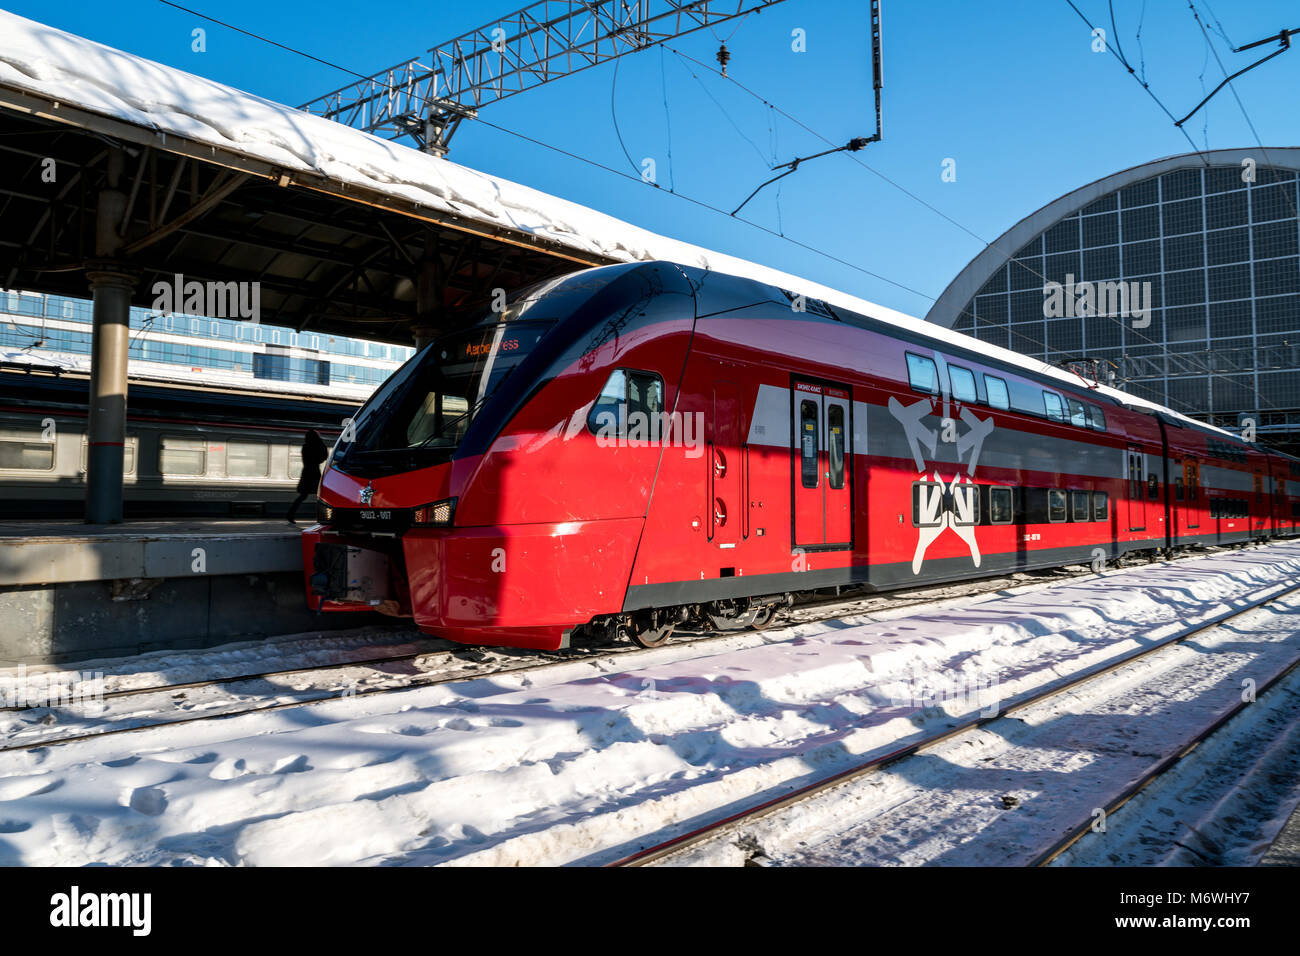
1003 793
580 763
1223 805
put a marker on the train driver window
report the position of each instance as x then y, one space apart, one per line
1055 504
963 384
835 445
1077 415
1100 505
1096 418
921 374
1052 405
997 392
630 403
999 506
1079 506
808 444
1153 486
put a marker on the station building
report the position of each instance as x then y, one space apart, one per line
56 330
1177 280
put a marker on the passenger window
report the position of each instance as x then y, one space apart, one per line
26 455
965 505
1052 404
1178 488
182 456
248 459
1079 505
997 392
1100 505
1153 486
1077 415
128 456
922 374
1096 418
808 443
1055 504
1000 506
963 384
835 444
630 402
927 504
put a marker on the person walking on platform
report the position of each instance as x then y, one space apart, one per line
314 453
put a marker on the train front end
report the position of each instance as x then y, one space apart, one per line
469 493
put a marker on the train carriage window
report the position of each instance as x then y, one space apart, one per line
1214 508
963 384
1052 405
248 459
1178 488
808 444
835 445
1259 487
922 374
26 455
1000 511
1096 418
1153 486
182 456
1080 506
1100 506
629 404
1077 414
997 392
927 504
1055 504
128 455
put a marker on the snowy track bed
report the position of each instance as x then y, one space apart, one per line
586 761
1011 790
175 687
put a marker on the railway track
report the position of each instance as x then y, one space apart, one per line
158 703
732 826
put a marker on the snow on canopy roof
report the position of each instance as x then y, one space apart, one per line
72 70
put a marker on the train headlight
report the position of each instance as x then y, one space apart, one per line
439 513
324 513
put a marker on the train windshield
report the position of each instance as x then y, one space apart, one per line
429 403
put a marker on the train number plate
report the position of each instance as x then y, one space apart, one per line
375 514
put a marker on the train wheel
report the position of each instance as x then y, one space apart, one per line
763 617
650 636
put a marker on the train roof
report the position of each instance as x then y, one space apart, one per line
865 312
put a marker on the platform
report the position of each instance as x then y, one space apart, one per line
71 591
55 552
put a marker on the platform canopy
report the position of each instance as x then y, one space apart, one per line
345 232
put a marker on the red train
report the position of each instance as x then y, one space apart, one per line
633 447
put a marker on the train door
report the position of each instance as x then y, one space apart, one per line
1191 494
838 469
822 465
725 503
1261 505
1137 503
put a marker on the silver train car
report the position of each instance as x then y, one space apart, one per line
191 451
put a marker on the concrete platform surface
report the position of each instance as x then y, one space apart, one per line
58 552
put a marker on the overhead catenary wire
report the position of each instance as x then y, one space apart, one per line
777 234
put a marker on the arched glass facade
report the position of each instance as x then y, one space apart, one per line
1207 319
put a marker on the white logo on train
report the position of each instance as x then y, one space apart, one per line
947 504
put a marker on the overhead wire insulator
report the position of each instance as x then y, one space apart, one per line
724 57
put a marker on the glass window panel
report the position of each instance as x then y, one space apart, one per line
182 456
963 384
248 459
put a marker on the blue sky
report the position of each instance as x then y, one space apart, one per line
1012 91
